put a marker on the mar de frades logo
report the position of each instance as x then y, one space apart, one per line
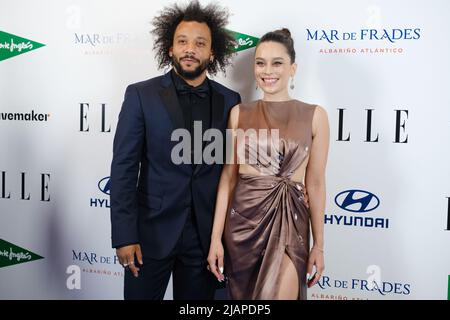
243 41
12 45
11 254
371 40
382 35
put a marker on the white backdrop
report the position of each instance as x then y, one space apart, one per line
94 49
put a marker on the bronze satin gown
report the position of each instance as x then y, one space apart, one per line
268 215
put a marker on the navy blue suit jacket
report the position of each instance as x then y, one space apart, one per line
151 197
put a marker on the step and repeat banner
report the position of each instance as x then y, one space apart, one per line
379 68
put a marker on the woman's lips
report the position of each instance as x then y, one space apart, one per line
269 81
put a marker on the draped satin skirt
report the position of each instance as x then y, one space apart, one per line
268 218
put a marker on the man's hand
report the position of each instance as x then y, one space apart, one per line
126 257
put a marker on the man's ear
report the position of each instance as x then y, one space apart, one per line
171 52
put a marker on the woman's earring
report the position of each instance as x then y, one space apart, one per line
256 86
292 83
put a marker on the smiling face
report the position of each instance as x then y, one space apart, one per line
191 50
273 68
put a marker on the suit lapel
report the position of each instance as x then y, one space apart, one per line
170 100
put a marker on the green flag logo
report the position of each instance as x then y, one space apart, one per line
11 45
448 288
243 41
11 254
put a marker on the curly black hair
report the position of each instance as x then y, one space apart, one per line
214 16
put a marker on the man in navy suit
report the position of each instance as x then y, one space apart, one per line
162 212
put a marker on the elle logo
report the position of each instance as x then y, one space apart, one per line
84 125
448 214
24 194
400 130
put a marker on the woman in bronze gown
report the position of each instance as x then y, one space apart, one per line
262 213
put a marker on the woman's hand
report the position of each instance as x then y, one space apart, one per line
215 259
315 259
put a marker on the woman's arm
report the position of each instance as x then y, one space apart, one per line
315 186
228 180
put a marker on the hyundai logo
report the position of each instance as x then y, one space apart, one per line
104 185
357 201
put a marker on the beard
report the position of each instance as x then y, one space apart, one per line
190 75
